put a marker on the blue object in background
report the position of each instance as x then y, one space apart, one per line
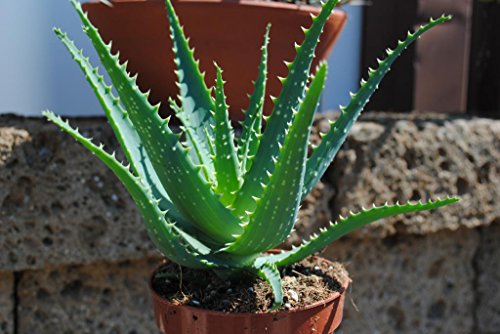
344 73
38 73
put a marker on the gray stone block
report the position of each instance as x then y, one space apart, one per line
58 203
6 303
488 281
389 160
403 284
409 284
60 206
99 298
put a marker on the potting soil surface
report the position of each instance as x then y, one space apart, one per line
304 283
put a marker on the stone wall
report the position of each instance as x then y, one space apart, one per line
74 256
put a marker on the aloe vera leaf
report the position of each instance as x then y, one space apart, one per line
349 224
122 127
269 272
226 159
163 232
274 134
323 155
197 103
276 211
191 142
182 180
248 142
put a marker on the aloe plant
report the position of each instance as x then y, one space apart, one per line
212 201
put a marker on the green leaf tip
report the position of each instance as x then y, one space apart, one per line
269 272
353 222
323 155
249 140
292 92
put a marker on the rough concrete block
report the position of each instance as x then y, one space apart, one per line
488 281
403 284
6 303
98 298
386 159
58 203
409 284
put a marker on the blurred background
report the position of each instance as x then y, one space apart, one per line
458 58
49 79
75 256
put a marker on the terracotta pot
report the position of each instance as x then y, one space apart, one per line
319 318
229 33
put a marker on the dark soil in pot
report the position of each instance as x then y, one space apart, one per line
305 283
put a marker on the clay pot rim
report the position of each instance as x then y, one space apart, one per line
333 296
292 7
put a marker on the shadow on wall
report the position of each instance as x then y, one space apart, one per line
38 74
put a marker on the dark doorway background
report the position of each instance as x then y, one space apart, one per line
466 49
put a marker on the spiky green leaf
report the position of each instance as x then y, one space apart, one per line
182 180
194 95
122 127
349 224
276 211
323 155
196 150
163 232
225 160
249 140
291 94
271 275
